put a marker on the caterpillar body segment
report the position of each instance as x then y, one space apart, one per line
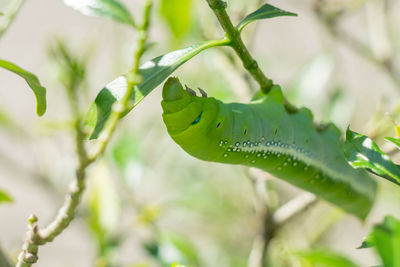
264 135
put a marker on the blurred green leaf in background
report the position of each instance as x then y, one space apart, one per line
70 69
32 81
323 258
103 205
5 197
385 238
362 152
178 15
102 8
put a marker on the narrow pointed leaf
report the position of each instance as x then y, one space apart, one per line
395 141
153 73
387 241
33 82
102 8
368 242
4 197
362 152
267 11
324 258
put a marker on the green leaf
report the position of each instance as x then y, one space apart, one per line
184 248
33 82
4 197
267 11
387 241
6 120
177 14
368 242
70 68
153 73
395 141
102 8
177 265
125 150
324 258
362 152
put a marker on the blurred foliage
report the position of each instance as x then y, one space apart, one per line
385 238
103 205
203 214
362 152
323 258
70 69
5 197
33 82
178 15
103 8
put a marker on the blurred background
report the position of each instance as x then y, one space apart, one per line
150 204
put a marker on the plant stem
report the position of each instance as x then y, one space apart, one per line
288 211
10 16
133 79
249 63
37 237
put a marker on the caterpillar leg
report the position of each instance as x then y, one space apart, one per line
191 91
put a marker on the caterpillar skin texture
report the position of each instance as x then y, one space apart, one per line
263 134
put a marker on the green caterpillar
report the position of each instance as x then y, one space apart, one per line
265 135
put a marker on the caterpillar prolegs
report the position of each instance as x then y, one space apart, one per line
265 135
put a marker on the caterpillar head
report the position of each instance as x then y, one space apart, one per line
183 110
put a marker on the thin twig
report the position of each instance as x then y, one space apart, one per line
37 237
354 44
133 79
293 207
233 34
10 16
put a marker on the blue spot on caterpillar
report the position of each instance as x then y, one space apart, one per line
266 135
197 119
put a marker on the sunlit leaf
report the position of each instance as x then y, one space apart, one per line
266 11
385 238
33 82
153 73
395 141
362 152
178 15
397 129
187 250
368 242
4 197
102 8
324 258
177 265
